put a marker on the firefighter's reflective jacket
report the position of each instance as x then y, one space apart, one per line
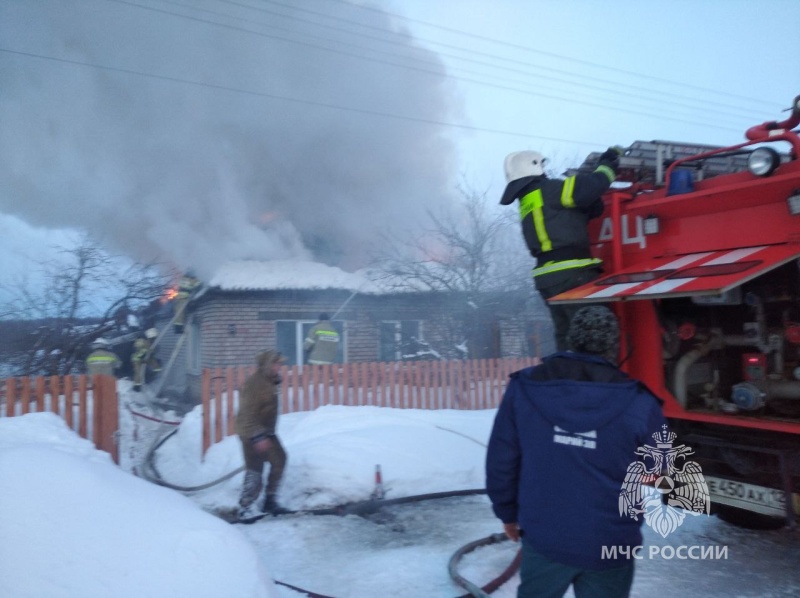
186 286
102 361
323 342
555 213
140 348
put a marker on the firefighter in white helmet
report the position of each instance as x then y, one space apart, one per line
142 358
102 360
554 214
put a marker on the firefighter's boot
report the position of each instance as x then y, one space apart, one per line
271 506
250 512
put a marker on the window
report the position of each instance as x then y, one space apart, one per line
396 336
292 333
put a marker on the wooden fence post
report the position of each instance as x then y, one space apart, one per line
105 412
11 397
69 412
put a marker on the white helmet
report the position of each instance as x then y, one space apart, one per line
100 343
522 164
151 333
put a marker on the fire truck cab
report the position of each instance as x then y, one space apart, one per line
701 251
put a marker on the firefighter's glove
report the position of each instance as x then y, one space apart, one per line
611 156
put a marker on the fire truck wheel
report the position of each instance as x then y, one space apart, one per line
750 465
748 519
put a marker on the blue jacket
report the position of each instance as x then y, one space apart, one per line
563 438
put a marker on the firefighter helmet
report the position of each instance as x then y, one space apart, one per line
151 333
523 164
100 343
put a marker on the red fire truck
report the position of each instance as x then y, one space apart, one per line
701 251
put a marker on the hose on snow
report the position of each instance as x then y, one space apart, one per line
151 473
474 590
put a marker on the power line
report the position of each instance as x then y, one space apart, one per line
293 100
472 51
554 55
662 95
418 69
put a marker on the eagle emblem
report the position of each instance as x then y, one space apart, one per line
660 488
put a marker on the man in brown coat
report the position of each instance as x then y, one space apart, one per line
255 425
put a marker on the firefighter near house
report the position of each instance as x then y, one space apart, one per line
701 259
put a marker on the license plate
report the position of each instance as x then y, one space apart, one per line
760 499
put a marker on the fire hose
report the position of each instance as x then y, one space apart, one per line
151 473
473 590
482 592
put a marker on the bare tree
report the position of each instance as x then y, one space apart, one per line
465 248
82 295
473 252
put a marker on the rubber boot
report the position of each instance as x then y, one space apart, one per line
248 513
271 506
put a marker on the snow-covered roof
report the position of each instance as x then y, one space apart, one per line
289 275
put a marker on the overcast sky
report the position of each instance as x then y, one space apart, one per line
197 131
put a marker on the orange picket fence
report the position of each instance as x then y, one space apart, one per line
456 384
90 407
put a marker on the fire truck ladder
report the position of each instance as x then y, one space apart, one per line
181 339
648 161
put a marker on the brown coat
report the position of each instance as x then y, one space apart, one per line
259 402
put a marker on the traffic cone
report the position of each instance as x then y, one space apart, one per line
378 493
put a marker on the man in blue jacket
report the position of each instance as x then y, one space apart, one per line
563 438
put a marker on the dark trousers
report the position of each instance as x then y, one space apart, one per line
550 285
254 466
543 578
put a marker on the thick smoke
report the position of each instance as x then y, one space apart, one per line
197 175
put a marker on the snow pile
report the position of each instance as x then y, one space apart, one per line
74 524
333 453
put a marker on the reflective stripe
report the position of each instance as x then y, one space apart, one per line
533 203
550 267
101 359
328 336
606 170
566 192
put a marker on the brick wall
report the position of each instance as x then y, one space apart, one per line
234 327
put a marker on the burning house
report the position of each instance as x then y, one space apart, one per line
250 306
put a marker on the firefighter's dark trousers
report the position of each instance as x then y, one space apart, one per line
550 285
254 466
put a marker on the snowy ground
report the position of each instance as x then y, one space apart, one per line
75 525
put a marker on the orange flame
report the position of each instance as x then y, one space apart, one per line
169 294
